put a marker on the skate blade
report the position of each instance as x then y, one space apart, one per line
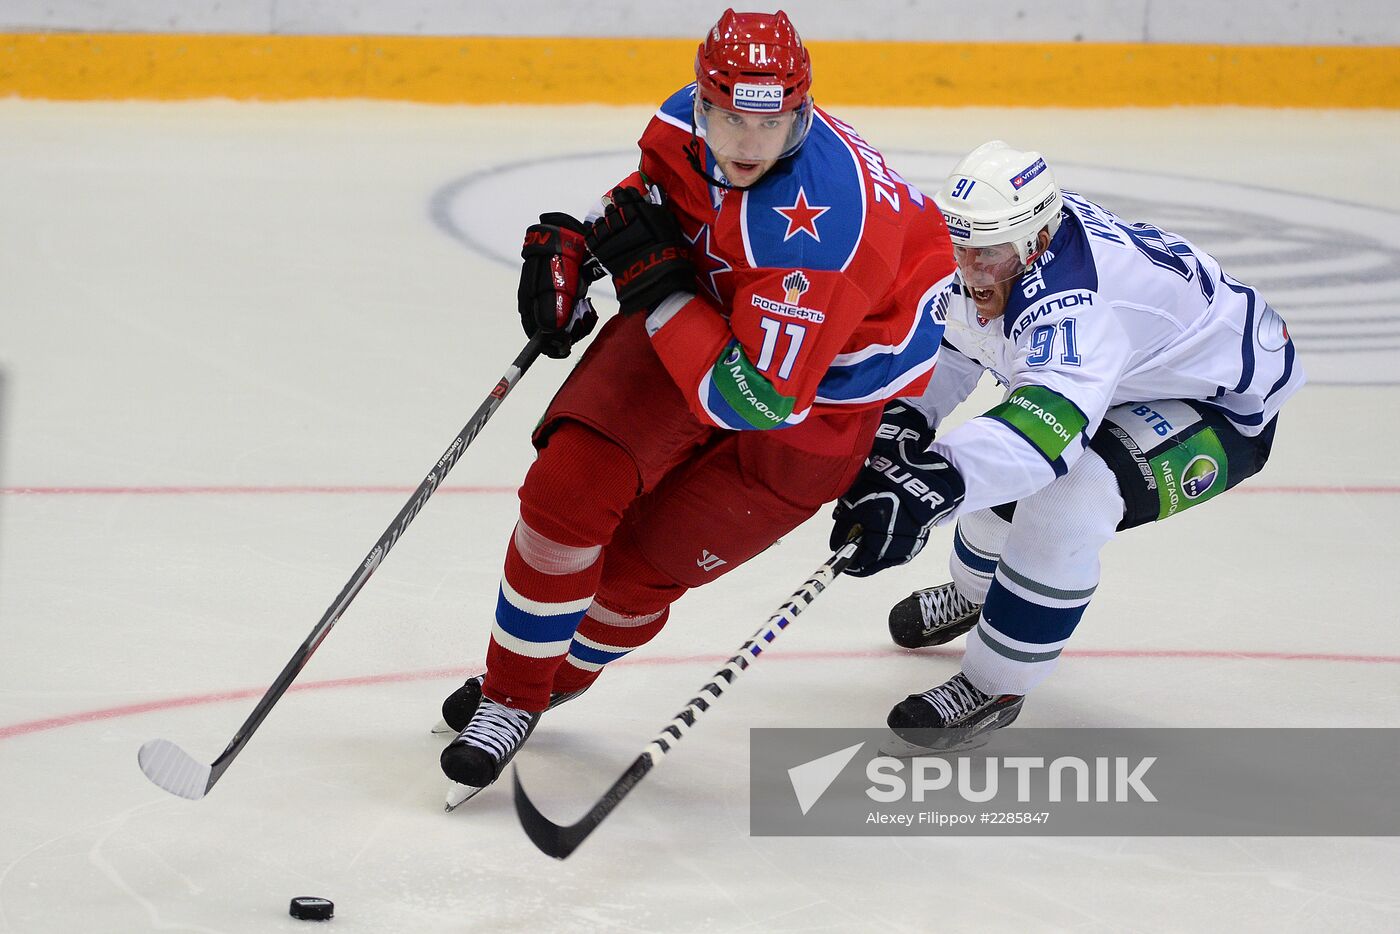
896 747
458 794
442 729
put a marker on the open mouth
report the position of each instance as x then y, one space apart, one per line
981 296
745 166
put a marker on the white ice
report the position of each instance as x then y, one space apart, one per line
235 336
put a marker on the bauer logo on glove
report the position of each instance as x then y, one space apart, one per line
900 493
904 479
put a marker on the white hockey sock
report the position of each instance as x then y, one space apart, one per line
977 544
1045 579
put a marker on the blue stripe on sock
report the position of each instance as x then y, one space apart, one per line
586 653
1017 618
532 628
970 558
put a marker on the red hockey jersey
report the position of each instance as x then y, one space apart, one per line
817 285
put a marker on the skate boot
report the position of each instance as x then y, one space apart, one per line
480 752
457 710
955 715
932 617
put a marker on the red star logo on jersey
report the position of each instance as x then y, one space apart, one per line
708 264
802 217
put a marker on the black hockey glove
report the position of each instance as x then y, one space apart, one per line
553 282
642 245
899 494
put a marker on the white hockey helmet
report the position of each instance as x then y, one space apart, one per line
1000 195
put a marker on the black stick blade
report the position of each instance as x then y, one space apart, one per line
558 842
543 832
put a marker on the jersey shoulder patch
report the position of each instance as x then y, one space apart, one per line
809 212
1065 276
679 109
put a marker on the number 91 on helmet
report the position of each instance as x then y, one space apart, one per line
997 203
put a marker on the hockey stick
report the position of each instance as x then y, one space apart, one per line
559 841
177 771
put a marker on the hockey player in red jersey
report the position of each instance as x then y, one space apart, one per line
775 278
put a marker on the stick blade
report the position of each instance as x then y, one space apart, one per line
559 842
171 768
549 837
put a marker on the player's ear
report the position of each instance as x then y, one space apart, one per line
1042 240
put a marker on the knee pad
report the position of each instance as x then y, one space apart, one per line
1058 532
978 541
632 585
578 488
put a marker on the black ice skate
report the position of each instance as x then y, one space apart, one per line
955 715
461 704
480 752
932 617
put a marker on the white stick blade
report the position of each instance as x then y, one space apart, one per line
173 769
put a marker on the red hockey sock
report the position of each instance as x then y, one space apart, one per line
604 636
569 509
544 592
632 605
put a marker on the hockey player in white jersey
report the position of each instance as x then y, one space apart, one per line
1141 380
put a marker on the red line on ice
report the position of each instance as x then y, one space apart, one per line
430 674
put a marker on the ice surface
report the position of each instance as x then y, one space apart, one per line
236 336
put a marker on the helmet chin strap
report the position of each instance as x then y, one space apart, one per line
693 154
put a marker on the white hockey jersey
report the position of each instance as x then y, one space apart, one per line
1111 313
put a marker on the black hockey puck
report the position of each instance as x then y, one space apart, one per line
307 908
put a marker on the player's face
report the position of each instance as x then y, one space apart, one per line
746 145
989 273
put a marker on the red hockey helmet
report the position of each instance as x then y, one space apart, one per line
755 63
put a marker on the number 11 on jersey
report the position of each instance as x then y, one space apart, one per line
772 329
